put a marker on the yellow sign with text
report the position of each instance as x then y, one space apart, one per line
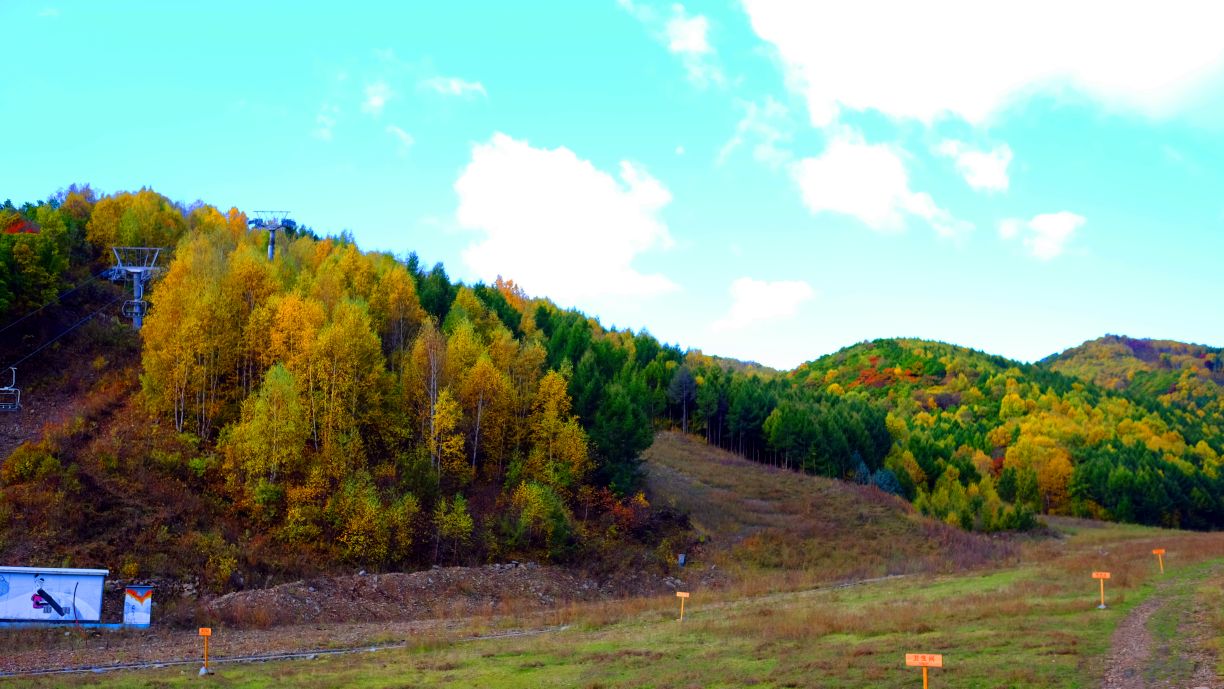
1102 576
205 632
924 661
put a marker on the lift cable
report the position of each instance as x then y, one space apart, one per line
55 300
69 329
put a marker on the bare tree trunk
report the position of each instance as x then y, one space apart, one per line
476 434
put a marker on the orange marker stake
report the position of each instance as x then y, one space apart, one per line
1102 576
924 661
682 595
205 632
1159 553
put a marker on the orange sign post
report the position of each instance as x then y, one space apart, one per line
205 632
1101 576
924 661
682 595
1159 553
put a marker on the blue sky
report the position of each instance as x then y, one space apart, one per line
761 179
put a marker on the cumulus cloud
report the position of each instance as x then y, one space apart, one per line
376 97
982 170
868 182
558 225
1046 235
923 60
767 126
756 301
454 86
685 35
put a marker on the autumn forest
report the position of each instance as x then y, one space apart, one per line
338 406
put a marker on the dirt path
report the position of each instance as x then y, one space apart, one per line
1164 642
1132 647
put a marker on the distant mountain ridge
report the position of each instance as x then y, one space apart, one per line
1176 373
1116 428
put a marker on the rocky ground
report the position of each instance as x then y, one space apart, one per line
436 593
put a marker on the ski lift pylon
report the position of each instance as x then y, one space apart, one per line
10 395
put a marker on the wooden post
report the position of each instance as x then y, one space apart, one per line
1101 576
205 632
682 595
1159 553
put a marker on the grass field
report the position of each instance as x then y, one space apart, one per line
1028 620
1035 625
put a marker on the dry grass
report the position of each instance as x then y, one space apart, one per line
778 530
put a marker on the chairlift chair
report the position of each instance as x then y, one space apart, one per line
10 395
135 307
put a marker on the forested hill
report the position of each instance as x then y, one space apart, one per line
1176 374
982 440
334 407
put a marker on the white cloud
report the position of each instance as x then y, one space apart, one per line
755 301
679 150
643 13
405 139
558 225
1046 235
376 97
685 36
768 124
325 121
454 86
923 60
982 170
869 182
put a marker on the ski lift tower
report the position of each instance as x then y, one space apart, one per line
272 221
137 264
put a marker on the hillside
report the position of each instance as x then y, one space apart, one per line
326 410
756 519
333 409
973 432
1186 376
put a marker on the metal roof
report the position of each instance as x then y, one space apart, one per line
54 570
